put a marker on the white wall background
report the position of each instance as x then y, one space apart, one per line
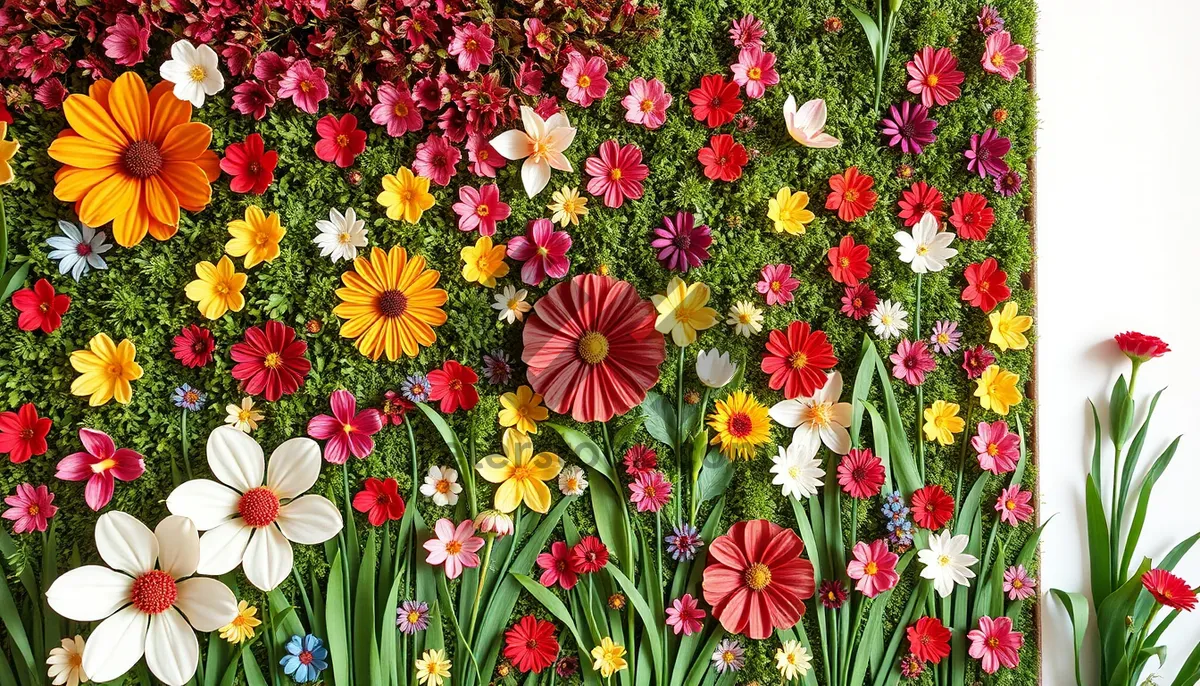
1118 248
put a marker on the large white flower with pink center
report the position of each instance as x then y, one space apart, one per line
250 522
148 597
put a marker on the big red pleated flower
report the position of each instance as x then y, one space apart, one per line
1141 347
723 159
797 359
531 644
270 361
23 433
971 217
40 307
929 640
1169 590
194 346
932 507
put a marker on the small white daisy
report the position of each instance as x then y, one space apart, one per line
745 318
798 470
441 484
194 72
889 319
66 663
511 304
340 236
572 481
945 562
79 249
926 249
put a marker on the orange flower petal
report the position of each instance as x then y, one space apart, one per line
99 91
90 120
108 199
77 151
189 183
74 183
211 164
166 111
130 228
160 201
162 231
130 106
186 142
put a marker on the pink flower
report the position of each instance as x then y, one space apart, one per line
542 250
341 140
557 568
252 98
1013 505
994 643
911 361
755 71
51 94
547 107
997 449
874 567
538 37
31 507
530 78
584 79
472 45
271 67
685 616
777 284
305 85
479 210
483 160
427 93
1002 56
453 547
99 463
126 42
437 160
747 31
617 173
646 103
347 432
1018 584
935 76
396 111
650 492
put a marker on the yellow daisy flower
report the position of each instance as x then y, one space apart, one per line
218 290
1008 328
997 390
568 206
942 422
405 195
787 210
520 473
8 150
390 304
608 658
242 626
741 423
522 410
105 370
257 236
433 667
484 262
683 311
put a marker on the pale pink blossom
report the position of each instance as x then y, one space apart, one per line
453 547
646 103
396 111
807 125
1002 56
584 79
755 71
472 45
479 210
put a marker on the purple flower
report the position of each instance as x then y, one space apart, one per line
412 616
683 542
945 337
989 20
908 126
986 154
911 362
1008 184
497 367
680 243
543 251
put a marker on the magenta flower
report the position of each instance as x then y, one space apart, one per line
976 360
874 567
347 432
912 361
777 284
1002 56
997 449
436 159
472 45
1008 184
454 547
650 492
945 337
1013 505
30 508
479 210
396 111
584 79
908 127
680 243
271 67
935 76
755 71
617 173
1018 584
538 37
542 250
747 31
985 156
995 644
482 158
646 103
427 94
685 616
253 98
305 85
126 42
99 464
989 20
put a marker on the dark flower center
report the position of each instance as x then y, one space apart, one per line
142 159
392 304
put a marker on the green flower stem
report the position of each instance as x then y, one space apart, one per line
679 440
412 446
920 388
183 430
470 466
483 571
962 456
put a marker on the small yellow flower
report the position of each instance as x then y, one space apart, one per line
257 236
484 262
787 210
8 149
683 311
1008 328
745 318
608 658
244 417
433 667
105 370
242 626
218 290
522 410
742 424
942 422
520 473
792 660
997 390
405 195
568 207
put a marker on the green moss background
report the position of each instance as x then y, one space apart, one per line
141 295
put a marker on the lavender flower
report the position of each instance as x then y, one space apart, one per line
908 127
945 337
989 20
415 388
412 616
683 542
190 399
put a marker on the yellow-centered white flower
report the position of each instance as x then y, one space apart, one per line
193 71
925 249
798 471
945 562
541 145
819 419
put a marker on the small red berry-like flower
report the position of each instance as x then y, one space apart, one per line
833 25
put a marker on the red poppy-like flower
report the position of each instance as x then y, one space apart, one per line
723 159
454 386
40 307
851 194
971 216
557 568
341 140
755 580
531 644
932 507
848 262
986 285
929 640
858 301
797 360
591 348
589 555
194 346
23 433
380 500
617 173
976 361
1140 347
919 199
270 361
715 101
860 473
252 167
1169 590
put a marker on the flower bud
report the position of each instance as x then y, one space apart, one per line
494 522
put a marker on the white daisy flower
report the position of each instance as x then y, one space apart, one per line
511 304
792 660
819 419
66 663
714 368
194 72
945 562
244 417
441 484
572 480
745 318
926 249
79 249
888 318
798 470
340 236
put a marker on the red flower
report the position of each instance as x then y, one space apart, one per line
617 173
861 473
1169 590
1139 347
270 361
557 568
341 140
395 408
858 301
932 507
971 216
531 644
589 555
852 196
723 159
919 199
715 101
40 307
929 640
986 285
640 459
23 433
194 346
454 386
755 580
797 360
848 262
380 500
252 168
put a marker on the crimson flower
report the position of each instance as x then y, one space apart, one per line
194 346
908 127
617 173
252 167
270 361
851 194
454 386
860 473
40 307
1169 590
986 285
935 76
832 593
797 360
1140 347
858 301
380 500
640 459
341 140
542 252
976 361
919 199
971 216
986 154
23 433
436 159
929 640
395 407
911 361
848 262
680 243
531 644
253 98
715 101
347 432
557 568
932 507
589 555
723 159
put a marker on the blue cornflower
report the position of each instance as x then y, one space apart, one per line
305 659
79 249
415 388
189 398
683 542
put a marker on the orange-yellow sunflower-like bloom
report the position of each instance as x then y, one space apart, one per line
105 370
133 158
7 150
390 304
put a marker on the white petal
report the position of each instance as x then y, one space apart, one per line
843 413
309 520
789 110
534 125
823 141
223 548
535 176
89 593
172 651
789 413
560 138
294 468
831 392
812 116
513 144
235 458
207 603
557 120
115 645
125 543
558 161
836 438
268 559
207 503
178 546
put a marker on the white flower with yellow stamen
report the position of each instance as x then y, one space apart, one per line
541 145
819 419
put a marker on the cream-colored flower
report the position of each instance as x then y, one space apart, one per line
66 663
541 145
745 318
244 417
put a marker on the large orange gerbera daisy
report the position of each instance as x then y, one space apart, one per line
390 304
133 158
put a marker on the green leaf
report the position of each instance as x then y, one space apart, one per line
1077 609
1097 442
625 435
659 419
1189 671
1120 413
1110 618
12 280
695 674
862 388
870 28
366 649
1098 551
449 437
1143 503
15 627
715 476
586 449
335 623
651 624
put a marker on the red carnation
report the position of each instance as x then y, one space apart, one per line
919 199
454 386
848 262
932 507
531 644
380 500
715 101
1141 348
589 555
797 360
40 307
851 194
860 473
252 168
971 216
1169 590
341 140
270 361
723 159
194 346
929 640
986 285
23 433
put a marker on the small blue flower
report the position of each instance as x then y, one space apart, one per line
683 542
191 399
79 249
415 388
305 659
